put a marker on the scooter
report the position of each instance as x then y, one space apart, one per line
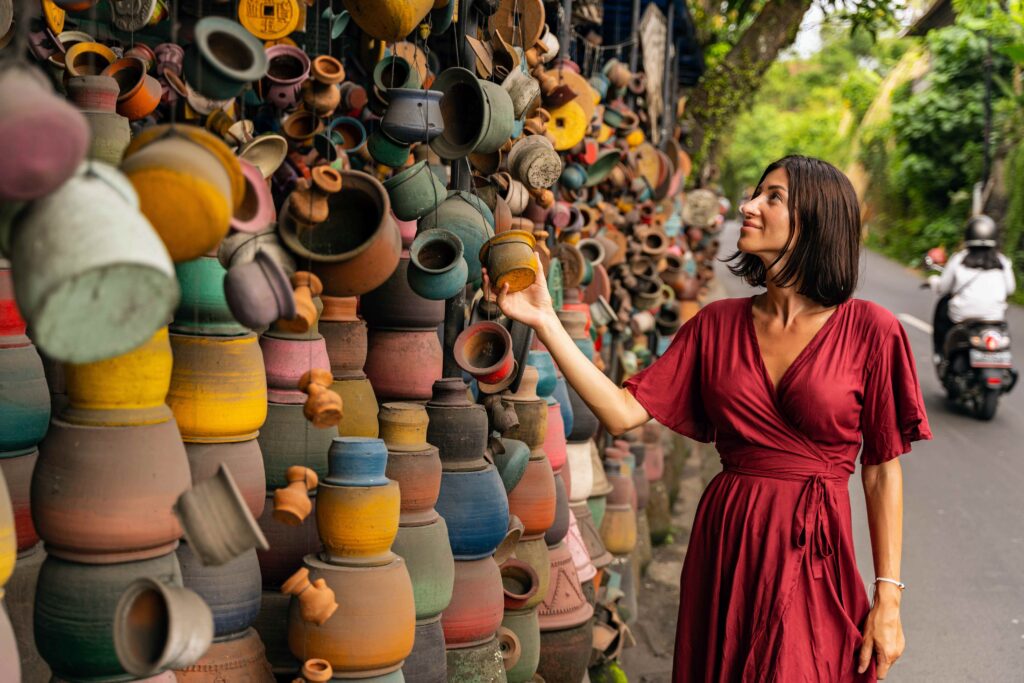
976 365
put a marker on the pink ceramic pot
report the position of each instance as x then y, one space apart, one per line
403 364
478 602
554 439
286 360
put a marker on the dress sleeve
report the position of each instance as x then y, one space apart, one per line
669 389
893 414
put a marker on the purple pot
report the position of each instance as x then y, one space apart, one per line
258 292
287 69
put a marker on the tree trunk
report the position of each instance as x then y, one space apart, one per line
726 89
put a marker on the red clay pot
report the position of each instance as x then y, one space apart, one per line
478 600
403 364
554 438
237 659
564 605
243 458
533 498
418 474
346 346
17 471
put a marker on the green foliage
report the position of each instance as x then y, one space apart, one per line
1013 236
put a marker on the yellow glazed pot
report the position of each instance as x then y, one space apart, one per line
218 387
8 539
390 20
129 389
360 415
358 524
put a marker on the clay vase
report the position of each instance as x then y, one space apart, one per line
481 663
619 528
243 658
427 662
232 590
415 191
360 417
457 427
288 545
556 532
216 521
358 524
288 438
24 398
218 387
316 600
396 305
286 360
474 613
524 623
91 504
309 201
565 654
431 565
403 364
74 612
96 97
317 671
437 268
17 469
291 503
533 498
203 308
475 508
320 93
357 248
372 631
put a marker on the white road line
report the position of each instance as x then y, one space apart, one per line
915 322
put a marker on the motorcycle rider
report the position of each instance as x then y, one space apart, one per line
975 283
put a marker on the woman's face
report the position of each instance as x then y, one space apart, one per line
766 222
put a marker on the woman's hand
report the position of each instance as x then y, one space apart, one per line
532 306
883 633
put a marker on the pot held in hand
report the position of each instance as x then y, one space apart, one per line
510 259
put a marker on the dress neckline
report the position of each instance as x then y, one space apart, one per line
805 352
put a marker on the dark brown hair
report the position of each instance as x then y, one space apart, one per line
824 259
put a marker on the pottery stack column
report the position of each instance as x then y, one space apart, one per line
345 333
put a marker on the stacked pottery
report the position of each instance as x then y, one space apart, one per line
96 97
658 508
353 604
345 335
422 539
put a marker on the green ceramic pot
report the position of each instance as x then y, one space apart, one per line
223 59
395 72
203 308
437 268
386 151
524 623
431 566
287 438
464 218
415 191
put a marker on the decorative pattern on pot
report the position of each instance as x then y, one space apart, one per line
403 364
372 631
475 508
585 569
431 565
223 59
413 115
218 387
395 72
474 613
534 162
91 504
88 236
457 426
564 605
396 305
24 398
243 657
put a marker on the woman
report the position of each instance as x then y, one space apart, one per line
788 384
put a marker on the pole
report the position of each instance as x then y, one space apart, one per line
634 53
565 29
667 74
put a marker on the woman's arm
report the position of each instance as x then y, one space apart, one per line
1008 277
883 631
945 285
614 406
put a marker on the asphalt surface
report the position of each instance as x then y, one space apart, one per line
963 535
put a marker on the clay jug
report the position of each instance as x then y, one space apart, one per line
320 93
308 203
316 600
323 408
457 427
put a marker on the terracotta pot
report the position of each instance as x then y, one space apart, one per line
323 407
372 631
232 590
288 545
619 528
585 569
475 508
427 662
457 427
292 503
437 269
316 600
533 498
431 566
317 671
24 398
413 115
286 360
74 612
243 658
216 521
523 622
659 512
484 350
591 537
357 524
358 247
17 471
564 605
92 505
533 422
403 364
289 439
139 92
66 253
258 292
474 613
565 654
223 58
321 94
418 474
396 305
360 418
346 347
218 387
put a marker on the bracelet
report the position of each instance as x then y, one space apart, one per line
898 584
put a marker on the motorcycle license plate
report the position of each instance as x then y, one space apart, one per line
990 359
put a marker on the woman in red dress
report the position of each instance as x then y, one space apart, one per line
790 385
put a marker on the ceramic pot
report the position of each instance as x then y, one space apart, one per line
75 607
533 422
564 605
474 613
246 463
394 71
346 347
533 498
287 439
591 537
413 115
17 471
564 406
321 94
316 599
403 364
356 461
218 387
524 91
96 96
288 545
360 416
484 350
24 398
510 260
223 59
619 528
390 20
292 504
258 292
534 162
475 508
584 422
523 622
286 360
372 631
534 551
216 521
272 626
478 115
582 473
203 308
511 459
139 92
520 583
431 566
415 191
64 254
565 654
481 663
546 376
357 248
386 151
427 662
457 427
403 426
92 505
469 221
396 305
242 658
256 211
347 133
418 474
438 268
287 68
52 136
357 524
560 527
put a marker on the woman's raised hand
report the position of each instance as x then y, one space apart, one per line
532 306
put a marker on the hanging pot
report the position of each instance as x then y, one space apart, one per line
438 269
534 162
320 94
415 191
139 92
288 438
394 71
389 20
203 308
510 259
348 133
474 613
478 115
223 59
403 364
287 68
24 398
258 292
431 567
266 152
484 350
457 426
475 508
413 115
256 211
96 96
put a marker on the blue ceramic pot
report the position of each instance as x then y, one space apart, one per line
233 590
475 508
547 377
561 395
573 176
587 347
413 115
357 461
557 531
24 398
437 269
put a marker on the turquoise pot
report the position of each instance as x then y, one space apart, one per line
205 67
597 505
481 120
24 398
545 370
203 308
386 151
437 268
395 72
415 191
573 176
462 216
512 463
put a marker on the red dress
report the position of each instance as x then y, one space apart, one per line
770 588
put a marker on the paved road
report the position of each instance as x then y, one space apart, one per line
963 538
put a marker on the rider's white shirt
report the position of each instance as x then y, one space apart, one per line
980 294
